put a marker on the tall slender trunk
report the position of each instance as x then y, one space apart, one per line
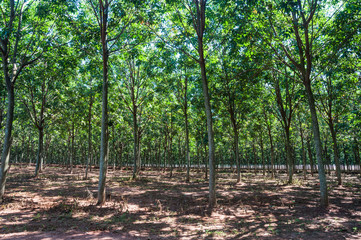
335 153
9 81
262 156
165 152
89 137
310 155
39 158
200 22
205 162
289 156
269 130
120 153
170 155
318 145
303 150
159 155
357 154
139 159
272 154
345 159
46 151
236 142
135 147
71 159
185 101
254 158
326 162
5 156
188 158
103 161
211 145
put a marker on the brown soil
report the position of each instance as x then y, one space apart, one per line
57 205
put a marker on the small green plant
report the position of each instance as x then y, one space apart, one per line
219 233
122 218
298 182
37 217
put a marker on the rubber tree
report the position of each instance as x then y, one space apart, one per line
112 25
285 89
136 94
298 19
189 20
331 109
39 92
198 14
25 36
181 90
268 115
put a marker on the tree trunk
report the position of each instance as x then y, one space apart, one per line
345 159
5 156
71 159
357 155
135 146
89 137
188 158
318 145
272 154
103 161
326 159
262 156
170 155
302 149
139 159
159 155
310 156
205 162
39 158
199 27
254 158
236 142
211 145
289 157
165 152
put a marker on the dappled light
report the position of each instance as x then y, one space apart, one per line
153 206
180 119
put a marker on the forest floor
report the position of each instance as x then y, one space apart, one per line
58 205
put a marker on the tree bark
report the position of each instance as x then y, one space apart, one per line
39 158
89 137
135 147
357 154
103 161
310 155
318 145
262 155
303 150
188 158
271 143
200 27
335 153
185 112
9 81
205 162
5 156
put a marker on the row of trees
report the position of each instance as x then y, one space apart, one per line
179 82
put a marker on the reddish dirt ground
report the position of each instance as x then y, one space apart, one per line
58 205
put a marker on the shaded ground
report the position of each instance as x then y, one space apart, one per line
58 205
